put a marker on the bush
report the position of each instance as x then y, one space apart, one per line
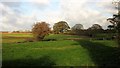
40 30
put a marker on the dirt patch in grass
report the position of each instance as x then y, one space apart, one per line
73 39
6 37
57 48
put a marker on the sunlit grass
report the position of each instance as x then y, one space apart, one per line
17 35
62 52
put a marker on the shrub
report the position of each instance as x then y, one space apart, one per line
40 30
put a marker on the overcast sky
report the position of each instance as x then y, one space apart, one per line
21 15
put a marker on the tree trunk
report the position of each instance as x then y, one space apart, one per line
39 38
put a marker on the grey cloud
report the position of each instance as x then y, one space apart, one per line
13 20
12 4
15 6
83 13
72 11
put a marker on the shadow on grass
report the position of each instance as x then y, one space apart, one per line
44 61
100 54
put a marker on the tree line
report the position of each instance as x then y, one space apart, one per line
41 29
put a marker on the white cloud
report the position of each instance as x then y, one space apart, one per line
73 11
40 1
76 11
108 7
12 20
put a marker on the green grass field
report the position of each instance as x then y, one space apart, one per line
62 52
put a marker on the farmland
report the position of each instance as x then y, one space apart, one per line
65 50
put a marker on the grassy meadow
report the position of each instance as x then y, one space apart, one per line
65 50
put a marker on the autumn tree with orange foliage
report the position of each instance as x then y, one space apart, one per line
40 30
